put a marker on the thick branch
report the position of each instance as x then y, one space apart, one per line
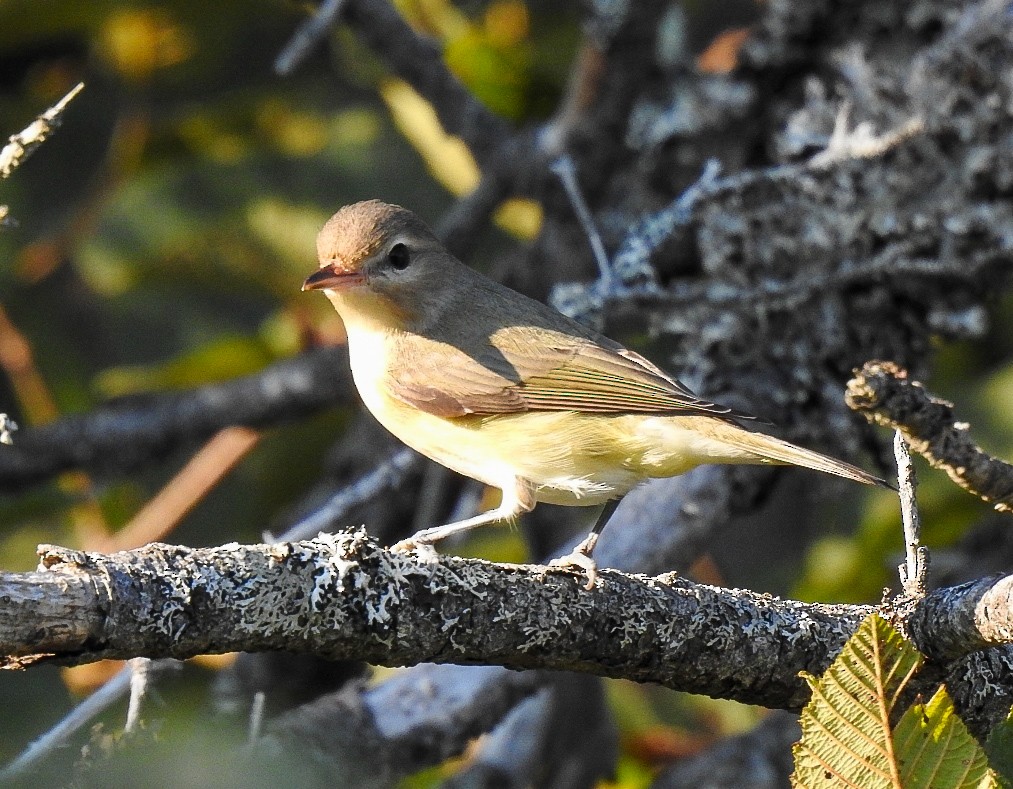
123 435
343 597
950 623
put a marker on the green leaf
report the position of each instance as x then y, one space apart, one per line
846 738
935 749
1000 749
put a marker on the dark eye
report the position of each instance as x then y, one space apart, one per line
399 257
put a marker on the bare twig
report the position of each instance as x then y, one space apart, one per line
632 261
307 36
81 715
328 516
564 168
140 673
22 144
882 392
58 736
129 433
7 427
915 568
256 718
861 142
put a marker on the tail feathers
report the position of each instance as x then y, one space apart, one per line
773 450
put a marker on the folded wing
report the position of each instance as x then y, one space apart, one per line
527 369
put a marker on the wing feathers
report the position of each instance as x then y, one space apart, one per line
516 370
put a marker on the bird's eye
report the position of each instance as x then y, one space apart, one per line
399 257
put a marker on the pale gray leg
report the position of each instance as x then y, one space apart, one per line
516 501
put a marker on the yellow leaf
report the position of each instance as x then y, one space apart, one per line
447 158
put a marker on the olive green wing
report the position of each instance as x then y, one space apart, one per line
536 369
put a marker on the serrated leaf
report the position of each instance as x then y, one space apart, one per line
847 740
1000 750
846 734
935 750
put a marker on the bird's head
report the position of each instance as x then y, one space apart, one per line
376 256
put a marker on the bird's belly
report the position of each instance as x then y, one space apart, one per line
555 451
571 458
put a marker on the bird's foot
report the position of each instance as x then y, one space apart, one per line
580 557
425 551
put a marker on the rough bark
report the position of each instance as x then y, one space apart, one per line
342 597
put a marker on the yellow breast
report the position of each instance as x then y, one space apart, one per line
572 458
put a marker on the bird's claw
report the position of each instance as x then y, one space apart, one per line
425 551
579 560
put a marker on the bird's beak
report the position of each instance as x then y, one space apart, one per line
329 278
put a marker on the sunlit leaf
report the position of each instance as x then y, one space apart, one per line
289 232
446 157
847 737
295 132
497 76
137 42
935 750
846 734
520 217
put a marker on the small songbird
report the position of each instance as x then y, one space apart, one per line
507 390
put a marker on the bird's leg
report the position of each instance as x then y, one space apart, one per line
581 555
517 499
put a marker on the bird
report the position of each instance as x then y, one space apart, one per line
508 391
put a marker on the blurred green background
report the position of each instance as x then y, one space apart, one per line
163 236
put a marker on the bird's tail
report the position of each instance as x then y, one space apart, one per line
768 449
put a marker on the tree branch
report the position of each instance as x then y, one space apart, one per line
342 597
389 731
123 435
21 145
882 392
950 623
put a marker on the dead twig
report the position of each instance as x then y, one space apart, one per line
882 392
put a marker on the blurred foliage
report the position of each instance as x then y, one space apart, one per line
164 233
